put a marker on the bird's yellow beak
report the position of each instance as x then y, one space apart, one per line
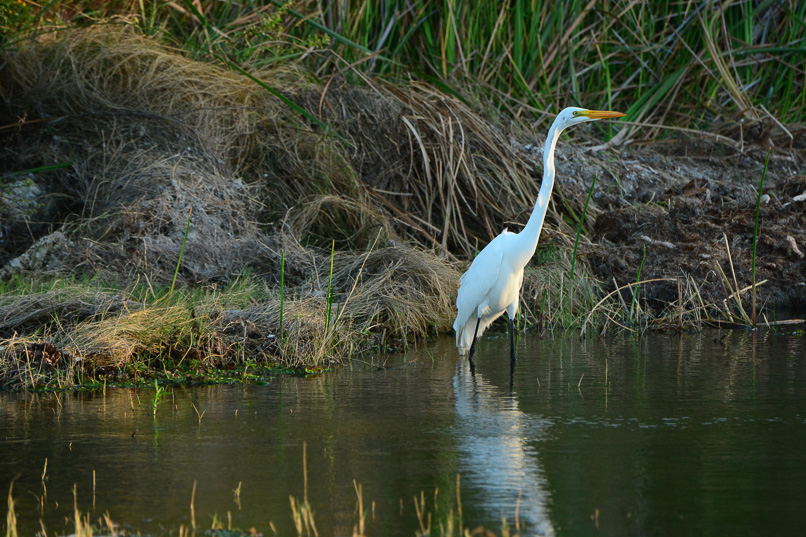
601 114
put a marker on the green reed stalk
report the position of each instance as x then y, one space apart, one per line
755 230
579 226
282 289
637 279
181 252
329 290
38 169
562 300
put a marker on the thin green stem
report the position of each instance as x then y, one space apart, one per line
637 279
282 290
755 230
181 252
329 290
579 226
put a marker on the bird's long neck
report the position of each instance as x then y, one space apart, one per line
531 232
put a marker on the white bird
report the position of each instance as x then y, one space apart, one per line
493 282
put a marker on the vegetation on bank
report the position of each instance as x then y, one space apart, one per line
268 185
683 63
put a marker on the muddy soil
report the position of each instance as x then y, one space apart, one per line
678 208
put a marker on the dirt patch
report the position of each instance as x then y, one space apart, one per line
689 212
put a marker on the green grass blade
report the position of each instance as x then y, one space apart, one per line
579 226
40 169
637 279
755 230
288 102
329 290
181 252
282 290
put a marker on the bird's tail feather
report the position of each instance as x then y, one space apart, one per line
464 334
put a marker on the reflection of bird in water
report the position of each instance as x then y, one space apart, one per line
497 458
493 282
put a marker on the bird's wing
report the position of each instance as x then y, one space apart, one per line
476 283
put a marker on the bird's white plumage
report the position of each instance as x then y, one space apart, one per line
490 287
474 289
492 284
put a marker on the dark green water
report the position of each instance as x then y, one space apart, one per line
663 435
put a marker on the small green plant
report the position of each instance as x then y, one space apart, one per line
265 41
159 394
15 16
329 297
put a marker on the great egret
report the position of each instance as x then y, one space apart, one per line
493 282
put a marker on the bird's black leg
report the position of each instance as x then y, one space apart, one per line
473 344
512 340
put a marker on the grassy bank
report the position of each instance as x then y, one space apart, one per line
91 332
271 186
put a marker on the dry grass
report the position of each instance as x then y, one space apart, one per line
64 337
387 285
73 301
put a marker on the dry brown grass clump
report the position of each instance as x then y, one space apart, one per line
133 123
387 285
29 312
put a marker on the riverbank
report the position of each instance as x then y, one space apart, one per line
163 210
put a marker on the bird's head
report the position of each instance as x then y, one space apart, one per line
573 115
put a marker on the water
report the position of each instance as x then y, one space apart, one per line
663 435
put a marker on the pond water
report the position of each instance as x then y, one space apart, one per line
693 434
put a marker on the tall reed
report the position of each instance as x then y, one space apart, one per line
181 252
282 291
329 297
669 58
579 225
755 230
635 290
